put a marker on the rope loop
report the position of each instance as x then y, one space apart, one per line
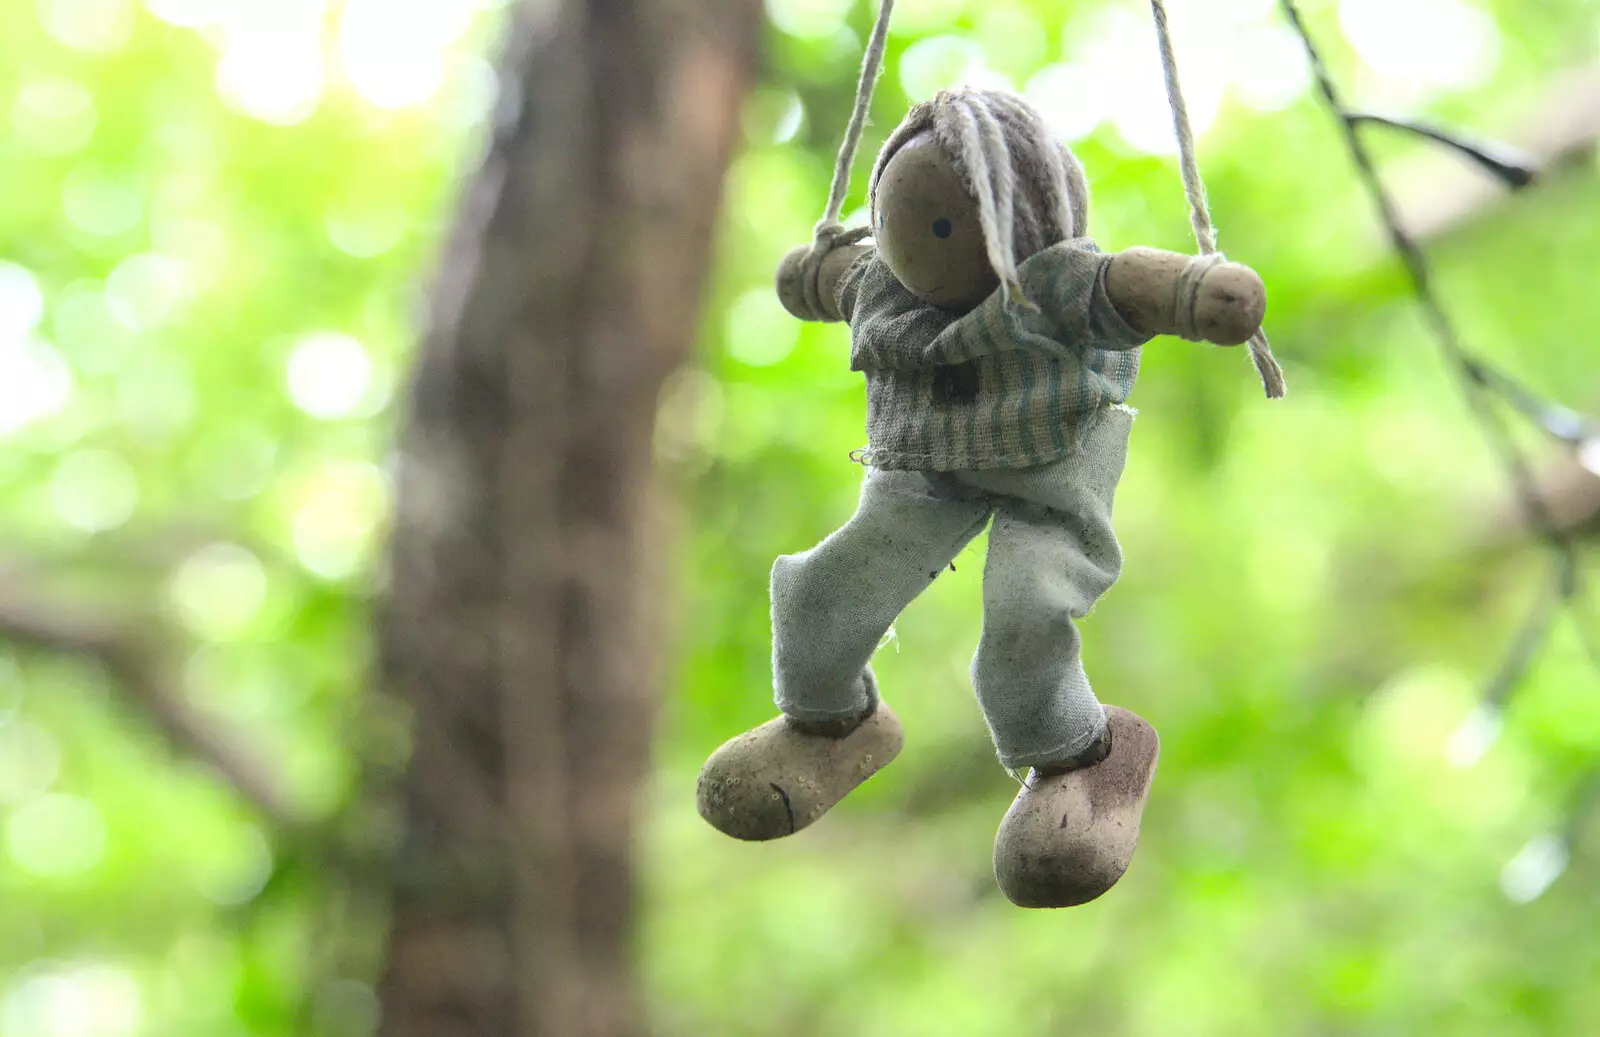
1186 292
829 235
825 240
871 66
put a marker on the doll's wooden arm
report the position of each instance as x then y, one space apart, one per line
1145 285
791 281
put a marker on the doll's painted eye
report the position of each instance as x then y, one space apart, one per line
941 228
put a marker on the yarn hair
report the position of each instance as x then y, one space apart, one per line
1030 190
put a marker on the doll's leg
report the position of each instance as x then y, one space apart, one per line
1045 571
832 604
1071 832
830 607
1052 554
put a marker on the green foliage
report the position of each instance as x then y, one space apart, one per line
212 240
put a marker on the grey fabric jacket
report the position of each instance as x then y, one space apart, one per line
998 387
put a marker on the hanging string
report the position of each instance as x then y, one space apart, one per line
871 67
830 233
1194 189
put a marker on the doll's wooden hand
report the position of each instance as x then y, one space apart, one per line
791 281
1217 302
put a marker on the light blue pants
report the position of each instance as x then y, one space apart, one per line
1052 554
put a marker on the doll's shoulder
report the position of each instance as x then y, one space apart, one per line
1069 251
868 286
1067 264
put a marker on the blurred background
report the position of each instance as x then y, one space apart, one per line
217 224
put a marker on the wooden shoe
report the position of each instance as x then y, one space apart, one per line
1069 835
776 779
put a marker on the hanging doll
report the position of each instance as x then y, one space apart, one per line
999 345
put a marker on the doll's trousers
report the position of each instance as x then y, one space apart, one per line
1052 554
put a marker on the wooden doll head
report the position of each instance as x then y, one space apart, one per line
965 188
927 228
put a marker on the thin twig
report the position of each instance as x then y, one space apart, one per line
1559 422
1513 168
1529 642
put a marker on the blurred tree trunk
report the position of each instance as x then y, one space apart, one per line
519 626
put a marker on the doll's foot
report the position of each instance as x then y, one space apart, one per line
776 779
1070 834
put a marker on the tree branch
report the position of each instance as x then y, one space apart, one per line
139 669
1515 169
1487 390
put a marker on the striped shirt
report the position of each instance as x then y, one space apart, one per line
996 387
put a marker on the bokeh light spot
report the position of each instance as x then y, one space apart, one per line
189 14
1012 38
94 490
203 972
56 835
1267 67
240 872
98 26
72 1000
1474 736
271 66
156 396
940 62
760 330
364 232
29 760
789 123
474 92
87 330
35 383
339 511
393 53
219 590
146 290
1535 867
1589 455
1438 43
199 243
53 116
1119 52
237 462
329 375
100 205
924 17
21 303
808 19
228 681
1069 99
